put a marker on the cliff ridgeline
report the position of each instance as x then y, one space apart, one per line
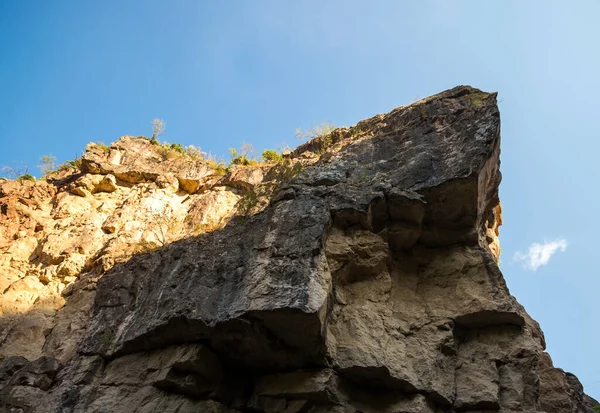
357 273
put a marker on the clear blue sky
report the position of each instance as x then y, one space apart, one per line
220 73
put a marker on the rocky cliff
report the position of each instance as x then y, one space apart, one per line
358 274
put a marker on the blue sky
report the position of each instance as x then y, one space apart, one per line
220 73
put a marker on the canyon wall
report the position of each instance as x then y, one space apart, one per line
357 274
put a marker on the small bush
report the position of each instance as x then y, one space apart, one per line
75 163
242 160
217 164
220 168
170 150
325 128
167 152
271 156
243 156
174 150
26 177
236 157
178 147
103 147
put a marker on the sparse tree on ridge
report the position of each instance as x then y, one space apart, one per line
47 164
158 128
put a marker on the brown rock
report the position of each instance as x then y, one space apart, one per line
244 177
79 191
107 184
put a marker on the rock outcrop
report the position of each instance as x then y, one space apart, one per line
359 274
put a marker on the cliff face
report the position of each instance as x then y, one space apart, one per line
358 275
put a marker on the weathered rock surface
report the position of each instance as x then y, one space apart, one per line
368 282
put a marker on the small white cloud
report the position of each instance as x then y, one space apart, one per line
539 254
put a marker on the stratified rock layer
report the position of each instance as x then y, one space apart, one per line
368 282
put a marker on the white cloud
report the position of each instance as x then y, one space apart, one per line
539 254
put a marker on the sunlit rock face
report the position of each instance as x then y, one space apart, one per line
359 274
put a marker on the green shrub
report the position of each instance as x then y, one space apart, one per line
166 152
220 169
26 177
217 164
103 147
242 160
75 163
271 156
178 147
243 156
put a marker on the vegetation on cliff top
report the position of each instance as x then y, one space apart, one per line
243 156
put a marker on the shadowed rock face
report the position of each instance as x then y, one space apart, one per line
368 284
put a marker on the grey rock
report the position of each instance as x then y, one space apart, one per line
10 366
39 373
